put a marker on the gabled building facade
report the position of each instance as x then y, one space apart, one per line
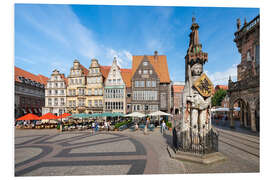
76 89
151 84
115 90
94 88
55 94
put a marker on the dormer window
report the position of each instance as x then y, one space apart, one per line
150 71
145 71
140 71
145 63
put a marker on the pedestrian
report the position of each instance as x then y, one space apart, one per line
93 127
109 125
106 126
163 126
136 127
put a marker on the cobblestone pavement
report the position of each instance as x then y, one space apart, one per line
241 150
52 153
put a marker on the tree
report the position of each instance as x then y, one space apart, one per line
218 97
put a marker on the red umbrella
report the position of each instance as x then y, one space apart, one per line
63 115
28 116
48 116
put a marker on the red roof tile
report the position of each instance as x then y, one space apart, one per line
126 75
221 87
84 70
160 65
178 88
20 72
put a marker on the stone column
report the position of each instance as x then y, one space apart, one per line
245 118
241 114
253 120
231 118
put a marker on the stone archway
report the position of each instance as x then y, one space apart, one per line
257 115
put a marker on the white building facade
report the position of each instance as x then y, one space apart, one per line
55 94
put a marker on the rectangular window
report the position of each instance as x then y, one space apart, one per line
145 71
70 103
62 102
141 83
100 103
74 103
55 102
96 103
136 83
153 83
89 103
80 81
96 92
148 83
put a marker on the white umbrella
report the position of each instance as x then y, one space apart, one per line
159 113
135 114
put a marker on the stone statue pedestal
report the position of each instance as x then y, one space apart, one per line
196 158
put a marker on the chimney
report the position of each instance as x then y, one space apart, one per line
156 55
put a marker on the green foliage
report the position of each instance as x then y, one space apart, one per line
168 124
122 123
218 97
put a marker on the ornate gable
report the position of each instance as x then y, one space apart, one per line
114 77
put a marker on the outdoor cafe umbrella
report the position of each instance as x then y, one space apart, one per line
159 113
135 114
28 116
49 116
63 115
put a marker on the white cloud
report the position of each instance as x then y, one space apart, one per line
62 67
223 77
62 25
29 61
123 57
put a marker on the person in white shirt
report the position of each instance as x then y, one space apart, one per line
163 125
93 127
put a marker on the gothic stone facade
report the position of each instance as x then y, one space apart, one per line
246 91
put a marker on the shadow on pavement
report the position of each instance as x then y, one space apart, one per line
226 126
167 135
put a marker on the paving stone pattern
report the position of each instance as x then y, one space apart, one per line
54 153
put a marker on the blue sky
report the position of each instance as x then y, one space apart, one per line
49 37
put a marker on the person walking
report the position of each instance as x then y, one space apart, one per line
163 126
93 127
109 125
106 126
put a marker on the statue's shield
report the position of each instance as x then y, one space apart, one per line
204 86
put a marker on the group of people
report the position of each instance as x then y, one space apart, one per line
95 126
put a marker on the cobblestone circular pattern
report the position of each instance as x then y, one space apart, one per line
78 153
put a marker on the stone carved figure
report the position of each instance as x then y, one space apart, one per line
199 105
196 102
